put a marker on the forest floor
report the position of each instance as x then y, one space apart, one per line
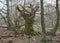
27 39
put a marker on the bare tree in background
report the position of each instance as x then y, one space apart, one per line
9 23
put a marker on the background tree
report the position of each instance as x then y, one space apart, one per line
42 22
57 21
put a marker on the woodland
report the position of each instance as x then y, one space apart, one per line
29 21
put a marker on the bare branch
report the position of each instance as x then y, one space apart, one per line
3 18
25 9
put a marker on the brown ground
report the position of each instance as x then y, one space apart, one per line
26 39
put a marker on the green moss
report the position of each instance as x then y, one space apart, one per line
17 24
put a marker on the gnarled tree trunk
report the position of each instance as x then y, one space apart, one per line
29 18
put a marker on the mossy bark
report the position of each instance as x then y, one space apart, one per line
57 21
29 25
42 22
29 18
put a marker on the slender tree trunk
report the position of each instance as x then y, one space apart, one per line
42 21
24 2
57 21
7 1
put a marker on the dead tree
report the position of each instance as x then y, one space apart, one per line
28 17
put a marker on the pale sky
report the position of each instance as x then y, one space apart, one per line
1 5
46 1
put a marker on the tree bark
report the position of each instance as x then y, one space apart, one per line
29 18
57 21
7 1
42 22
9 22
